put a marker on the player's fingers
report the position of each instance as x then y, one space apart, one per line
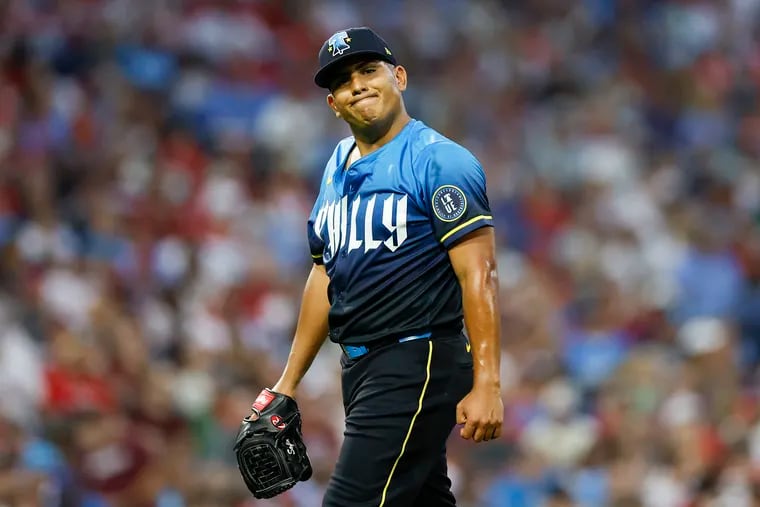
480 432
488 433
461 416
496 425
468 430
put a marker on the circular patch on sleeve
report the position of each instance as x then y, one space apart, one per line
449 203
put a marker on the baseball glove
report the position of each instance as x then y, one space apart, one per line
270 451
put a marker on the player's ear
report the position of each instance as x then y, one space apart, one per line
331 103
399 72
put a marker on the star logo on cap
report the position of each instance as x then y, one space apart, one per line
338 43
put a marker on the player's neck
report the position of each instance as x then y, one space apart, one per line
375 137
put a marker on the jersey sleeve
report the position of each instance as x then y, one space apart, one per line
316 222
314 231
454 192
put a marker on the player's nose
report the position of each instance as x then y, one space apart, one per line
358 85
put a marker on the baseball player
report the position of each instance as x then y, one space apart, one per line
403 246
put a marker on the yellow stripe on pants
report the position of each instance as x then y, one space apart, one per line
411 425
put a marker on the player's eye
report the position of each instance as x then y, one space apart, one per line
339 81
368 70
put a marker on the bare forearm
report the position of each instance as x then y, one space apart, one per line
311 331
474 262
480 301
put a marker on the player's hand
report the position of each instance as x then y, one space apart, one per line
482 413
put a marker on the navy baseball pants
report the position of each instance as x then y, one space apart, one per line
400 403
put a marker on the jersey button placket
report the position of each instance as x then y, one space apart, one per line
350 179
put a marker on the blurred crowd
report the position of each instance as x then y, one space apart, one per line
158 160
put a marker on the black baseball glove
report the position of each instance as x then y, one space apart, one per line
270 451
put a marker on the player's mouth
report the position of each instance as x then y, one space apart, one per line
364 99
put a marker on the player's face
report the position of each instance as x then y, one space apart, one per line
365 92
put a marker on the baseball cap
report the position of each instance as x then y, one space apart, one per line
348 43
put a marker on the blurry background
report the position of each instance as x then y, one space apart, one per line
158 160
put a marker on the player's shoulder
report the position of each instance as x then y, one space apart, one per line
340 153
429 145
338 157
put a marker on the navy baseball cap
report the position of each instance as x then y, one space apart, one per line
348 43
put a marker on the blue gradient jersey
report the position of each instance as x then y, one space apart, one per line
382 228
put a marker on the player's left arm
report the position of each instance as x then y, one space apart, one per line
455 194
474 261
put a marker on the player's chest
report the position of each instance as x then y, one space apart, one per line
384 184
364 212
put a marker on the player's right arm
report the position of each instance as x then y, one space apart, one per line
311 331
312 326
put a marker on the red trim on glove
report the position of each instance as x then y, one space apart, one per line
263 400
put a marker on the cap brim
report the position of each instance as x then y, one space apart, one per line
322 77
